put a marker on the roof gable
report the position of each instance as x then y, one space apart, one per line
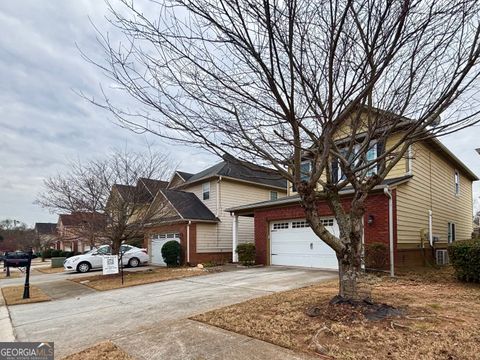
240 170
188 205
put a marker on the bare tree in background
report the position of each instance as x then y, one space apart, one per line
92 189
15 235
279 82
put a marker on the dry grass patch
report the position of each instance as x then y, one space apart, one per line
13 295
50 270
442 320
102 351
109 282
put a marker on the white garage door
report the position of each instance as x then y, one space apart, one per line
293 243
158 240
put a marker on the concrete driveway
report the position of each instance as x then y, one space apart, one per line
151 321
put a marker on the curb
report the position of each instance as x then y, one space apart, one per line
6 328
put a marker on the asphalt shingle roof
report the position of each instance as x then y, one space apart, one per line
188 205
237 169
185 175
46 228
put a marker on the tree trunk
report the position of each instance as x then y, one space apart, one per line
351 286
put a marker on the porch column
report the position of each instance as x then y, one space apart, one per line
234 237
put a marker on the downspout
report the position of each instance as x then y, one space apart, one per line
218 196
387 192
430 235
188 241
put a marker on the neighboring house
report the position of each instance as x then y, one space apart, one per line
195 212
431 188
45 235
79 231
130 207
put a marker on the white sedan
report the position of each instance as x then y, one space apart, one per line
93 259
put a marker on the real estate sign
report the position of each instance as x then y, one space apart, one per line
110 264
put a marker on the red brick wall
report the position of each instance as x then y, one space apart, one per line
376 205
195 258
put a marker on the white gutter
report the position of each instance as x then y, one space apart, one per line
234 237
430 235
218 196
387 192
188 242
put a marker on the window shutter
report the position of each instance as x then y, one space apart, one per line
380 147
335 171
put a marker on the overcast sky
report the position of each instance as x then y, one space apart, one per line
44 123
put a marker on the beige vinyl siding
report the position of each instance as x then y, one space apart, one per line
432 187
207 240
213 238
211 203
234 194
176 181
400 168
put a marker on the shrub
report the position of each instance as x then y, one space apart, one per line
47 253
465 258
56 253
376 255
246 254
171 251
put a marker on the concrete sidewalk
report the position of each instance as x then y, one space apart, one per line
6 328
192 340
64 289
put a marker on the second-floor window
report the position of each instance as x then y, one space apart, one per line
371 155
206 190
273 195
456 178
305 170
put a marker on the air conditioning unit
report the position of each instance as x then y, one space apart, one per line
441 257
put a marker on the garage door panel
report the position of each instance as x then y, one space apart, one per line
157 242
293 245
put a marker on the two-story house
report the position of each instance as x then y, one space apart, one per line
79 231
193 210
423 204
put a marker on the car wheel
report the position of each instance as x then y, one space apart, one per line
84 267
133 262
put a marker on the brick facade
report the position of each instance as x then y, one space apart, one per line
376 205
195 258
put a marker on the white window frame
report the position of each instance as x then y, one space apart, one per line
371 171
374 169
280 225
273 195
206 191
164 236
456 182
303 175
409 161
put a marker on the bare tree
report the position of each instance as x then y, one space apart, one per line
15 235
114 195
278 82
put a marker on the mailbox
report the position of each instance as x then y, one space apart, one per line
16 262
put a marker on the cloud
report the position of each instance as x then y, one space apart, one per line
44 123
